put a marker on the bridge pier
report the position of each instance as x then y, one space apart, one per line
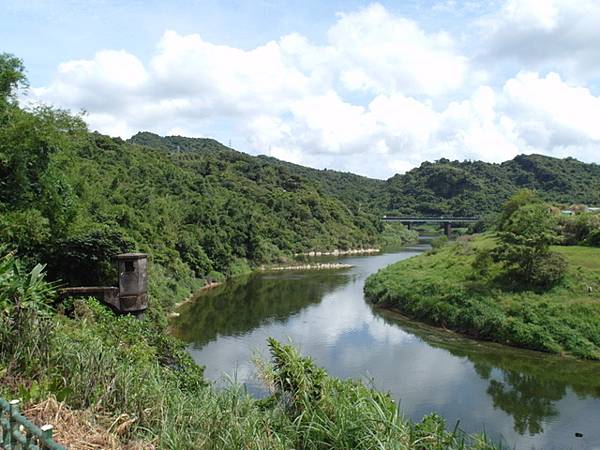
448 229
409 225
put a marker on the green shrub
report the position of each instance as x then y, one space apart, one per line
397 234
439 242
583 228
21 289
298 383
522 198
239 266
548 270
215 276
593 238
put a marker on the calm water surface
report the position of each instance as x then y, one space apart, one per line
521 398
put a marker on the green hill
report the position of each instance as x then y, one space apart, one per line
355 191
474 188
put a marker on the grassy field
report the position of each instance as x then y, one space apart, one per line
442 288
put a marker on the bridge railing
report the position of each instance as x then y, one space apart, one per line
18 433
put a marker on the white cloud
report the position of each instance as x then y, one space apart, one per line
380 52
546 35
379 96
85 83
326 123
224 78
554 116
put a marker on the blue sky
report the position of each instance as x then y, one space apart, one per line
374 88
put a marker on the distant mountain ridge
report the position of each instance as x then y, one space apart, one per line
441 187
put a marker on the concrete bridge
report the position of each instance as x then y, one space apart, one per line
445 221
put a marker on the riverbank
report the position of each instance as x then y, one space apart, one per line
337 252
314 266
392 235
189 298
440 288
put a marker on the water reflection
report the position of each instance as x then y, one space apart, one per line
527 385
248 302
526 397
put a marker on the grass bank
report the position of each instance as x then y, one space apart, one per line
442 288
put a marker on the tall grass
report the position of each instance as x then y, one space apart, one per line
24 314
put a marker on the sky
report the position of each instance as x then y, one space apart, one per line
373 88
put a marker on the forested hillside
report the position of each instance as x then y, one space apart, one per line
90 196
355 191
474 188
441 187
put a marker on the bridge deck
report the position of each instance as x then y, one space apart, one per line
440 219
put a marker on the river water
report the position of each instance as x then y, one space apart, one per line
520 398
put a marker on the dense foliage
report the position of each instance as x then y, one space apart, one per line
198 210
581 229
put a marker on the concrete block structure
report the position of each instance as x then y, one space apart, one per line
133 281
132 294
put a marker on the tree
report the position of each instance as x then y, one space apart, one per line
86 258
37 204
521 198
524 246
12 77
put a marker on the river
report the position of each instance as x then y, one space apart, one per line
520 398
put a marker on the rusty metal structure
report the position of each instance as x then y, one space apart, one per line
132 294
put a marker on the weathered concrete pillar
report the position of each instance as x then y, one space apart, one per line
133 282
409 225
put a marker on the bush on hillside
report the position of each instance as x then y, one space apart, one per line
581 229
522 198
